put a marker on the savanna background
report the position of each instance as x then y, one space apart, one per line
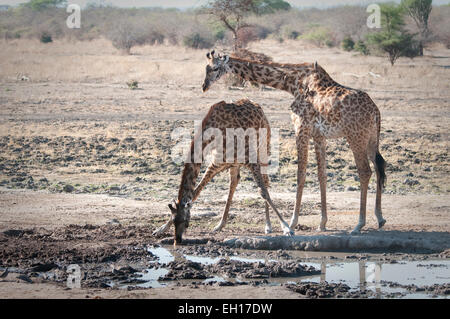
87 114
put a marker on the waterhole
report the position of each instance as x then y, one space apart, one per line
390 278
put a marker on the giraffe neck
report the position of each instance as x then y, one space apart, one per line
191 168
188 179
286 77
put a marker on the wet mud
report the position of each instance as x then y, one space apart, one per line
128 257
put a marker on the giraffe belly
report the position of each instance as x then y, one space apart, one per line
323 128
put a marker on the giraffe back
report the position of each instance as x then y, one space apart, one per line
246 121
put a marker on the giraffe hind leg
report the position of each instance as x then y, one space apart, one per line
268 227
379 164
364 172
320 149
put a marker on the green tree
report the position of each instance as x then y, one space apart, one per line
419 11
232 13
44 4
393 39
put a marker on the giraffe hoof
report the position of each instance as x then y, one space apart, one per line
381 223
355 232
158 232
217 229
288 232
321 229
268 230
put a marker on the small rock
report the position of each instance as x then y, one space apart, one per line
25 278
68 188
411 182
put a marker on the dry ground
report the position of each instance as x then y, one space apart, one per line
77 146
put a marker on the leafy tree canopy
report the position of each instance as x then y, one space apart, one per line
44 4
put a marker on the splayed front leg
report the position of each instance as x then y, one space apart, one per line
161 230
219 226
286 229
234 181
256 171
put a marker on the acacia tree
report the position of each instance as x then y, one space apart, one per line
232 13
419 11
393 39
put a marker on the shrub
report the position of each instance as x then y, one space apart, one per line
247 34
393 39
133 84
45 37
395 45
289 32
320 36
348 44
124 36
196 41
361 47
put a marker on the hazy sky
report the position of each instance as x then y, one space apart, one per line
197 3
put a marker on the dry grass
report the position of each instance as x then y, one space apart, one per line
78 93
95 60
98 61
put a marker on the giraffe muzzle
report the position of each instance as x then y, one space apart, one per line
205 86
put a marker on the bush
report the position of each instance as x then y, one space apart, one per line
393 39
361 47
45 37
348 44
248 34
395 45
124 36
196 41
320 36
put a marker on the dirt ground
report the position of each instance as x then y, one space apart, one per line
86 171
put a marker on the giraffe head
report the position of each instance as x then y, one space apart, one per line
181 214
217 66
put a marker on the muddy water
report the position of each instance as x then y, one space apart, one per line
383 279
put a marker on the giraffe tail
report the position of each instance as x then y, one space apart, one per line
381 168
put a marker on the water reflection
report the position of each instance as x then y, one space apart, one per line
358 275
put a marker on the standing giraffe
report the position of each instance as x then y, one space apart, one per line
322 109
226 119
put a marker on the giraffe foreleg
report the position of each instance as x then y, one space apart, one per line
212 170
256 171
234 181
161 230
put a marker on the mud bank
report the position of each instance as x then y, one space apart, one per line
374 241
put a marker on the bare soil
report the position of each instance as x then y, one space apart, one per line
86 171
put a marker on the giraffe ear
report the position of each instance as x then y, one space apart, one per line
208 56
